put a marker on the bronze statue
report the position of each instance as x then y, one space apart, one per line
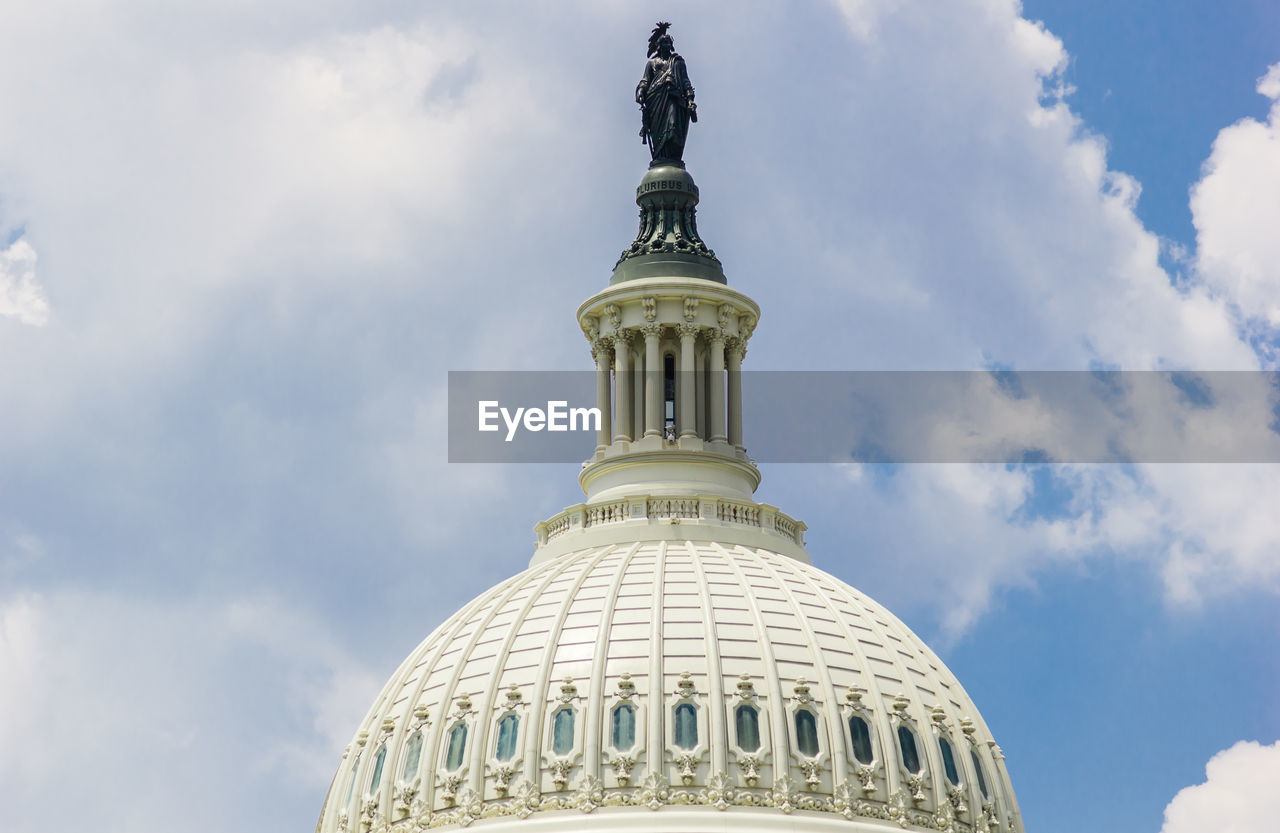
665 97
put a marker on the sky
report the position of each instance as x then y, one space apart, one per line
241 244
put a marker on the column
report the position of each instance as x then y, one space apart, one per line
602 353
653 394
622 367
715 419
736 351
637 391
686 384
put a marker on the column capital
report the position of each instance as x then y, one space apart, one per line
622 339
716 335
735 347
602 347
689 330
651 330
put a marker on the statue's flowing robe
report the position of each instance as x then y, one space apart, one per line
665 95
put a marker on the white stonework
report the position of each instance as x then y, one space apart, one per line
626 623
671 660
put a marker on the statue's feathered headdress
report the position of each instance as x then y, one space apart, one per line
656 35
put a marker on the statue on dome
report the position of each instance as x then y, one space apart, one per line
665 97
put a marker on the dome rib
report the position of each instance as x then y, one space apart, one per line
715 679
654 726
595 705
775 700
869 680
533 737
832 709
498 602
403 677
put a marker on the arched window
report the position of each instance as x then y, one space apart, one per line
351 786
806 732
624 727
686 726
907 743
411 755
508 728
562 732
377 769
457 746
860 734
669 393
948 761
747 722
977 769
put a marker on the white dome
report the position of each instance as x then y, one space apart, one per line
671 660
630 639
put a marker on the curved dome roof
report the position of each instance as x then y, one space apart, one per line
688 677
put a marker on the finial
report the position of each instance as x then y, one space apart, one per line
665 97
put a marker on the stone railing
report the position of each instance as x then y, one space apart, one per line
685 508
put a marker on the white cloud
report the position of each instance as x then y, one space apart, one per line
244 699
1236 210
1238 795
20 296
268 243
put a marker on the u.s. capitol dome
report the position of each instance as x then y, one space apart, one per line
671 660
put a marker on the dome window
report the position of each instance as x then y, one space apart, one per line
351 785
977 769
624 727
860 734
806 733
910 755
562 732
376 780
457 747
411 755
949 761
686 726
508 729
746 721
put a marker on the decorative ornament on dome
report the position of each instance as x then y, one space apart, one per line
626 688
801 692
462 706
568 691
